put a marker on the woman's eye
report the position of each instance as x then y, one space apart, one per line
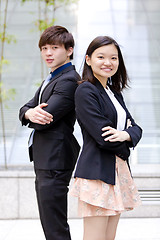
100 57
114 58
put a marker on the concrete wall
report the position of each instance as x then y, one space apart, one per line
18 199
17 195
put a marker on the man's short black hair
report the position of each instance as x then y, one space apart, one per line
57 35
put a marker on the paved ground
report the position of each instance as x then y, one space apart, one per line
128 229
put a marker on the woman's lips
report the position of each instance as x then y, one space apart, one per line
106 69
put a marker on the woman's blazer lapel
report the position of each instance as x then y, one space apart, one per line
106 101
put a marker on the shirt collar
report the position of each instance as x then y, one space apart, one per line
60 69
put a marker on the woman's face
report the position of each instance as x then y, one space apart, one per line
104 62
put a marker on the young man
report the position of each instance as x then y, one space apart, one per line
52 146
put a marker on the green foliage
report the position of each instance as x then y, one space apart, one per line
3 62
8 38
23 1
52 2
38 84
43 24
55 2
6 94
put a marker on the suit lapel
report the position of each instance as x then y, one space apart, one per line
61 73
117 96
54 80
106 99
120 100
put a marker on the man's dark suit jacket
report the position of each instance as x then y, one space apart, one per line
54 145
94 111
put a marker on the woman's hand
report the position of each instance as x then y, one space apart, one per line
129 123
115 135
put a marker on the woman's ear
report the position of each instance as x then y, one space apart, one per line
88 60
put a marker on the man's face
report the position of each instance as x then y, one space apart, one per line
55 55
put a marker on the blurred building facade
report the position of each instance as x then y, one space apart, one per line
135 25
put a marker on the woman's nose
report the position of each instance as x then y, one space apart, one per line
107 62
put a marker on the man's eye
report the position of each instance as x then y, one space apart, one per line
54 47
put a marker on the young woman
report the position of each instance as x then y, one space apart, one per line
103 182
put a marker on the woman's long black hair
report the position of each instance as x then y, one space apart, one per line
120 79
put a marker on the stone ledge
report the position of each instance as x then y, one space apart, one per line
146 170
18 197
17 174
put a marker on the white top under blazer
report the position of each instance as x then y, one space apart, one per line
121 114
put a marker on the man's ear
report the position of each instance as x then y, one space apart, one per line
88 60
70 51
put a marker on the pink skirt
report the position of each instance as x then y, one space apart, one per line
96 198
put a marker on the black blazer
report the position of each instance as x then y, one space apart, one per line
54 145
94 111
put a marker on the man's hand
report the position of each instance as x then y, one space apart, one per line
115 135
38 115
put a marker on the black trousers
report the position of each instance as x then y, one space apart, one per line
52 189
